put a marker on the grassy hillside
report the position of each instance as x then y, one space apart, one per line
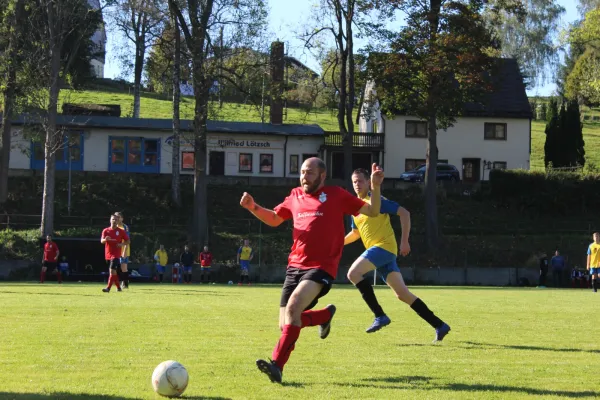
155 106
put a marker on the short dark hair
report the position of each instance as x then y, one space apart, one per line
363 172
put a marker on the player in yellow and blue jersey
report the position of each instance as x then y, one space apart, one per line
381 252
593 260
244 256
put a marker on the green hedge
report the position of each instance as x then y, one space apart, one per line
540 193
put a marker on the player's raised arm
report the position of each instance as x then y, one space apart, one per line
267 216
372 210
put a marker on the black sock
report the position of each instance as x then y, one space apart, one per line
126 278
241 278
421 308
368 294
160 277
190 278
208 277
594 284
202 277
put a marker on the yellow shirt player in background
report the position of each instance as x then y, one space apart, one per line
593 260
244 256
125 252
381 252
162 258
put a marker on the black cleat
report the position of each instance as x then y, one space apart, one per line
119 289
326 327
106 290
270 369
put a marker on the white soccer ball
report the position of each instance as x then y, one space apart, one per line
230 282
170 379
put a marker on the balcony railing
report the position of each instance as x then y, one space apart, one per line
362 140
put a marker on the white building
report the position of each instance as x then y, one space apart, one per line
499 133
99 40
112 144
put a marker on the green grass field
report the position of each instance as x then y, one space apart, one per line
75 342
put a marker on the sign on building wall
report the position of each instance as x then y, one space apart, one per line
224 142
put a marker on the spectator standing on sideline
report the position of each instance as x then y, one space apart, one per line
187 260
50 259
244 256
543 270
63 266
205 265
162 258
558 264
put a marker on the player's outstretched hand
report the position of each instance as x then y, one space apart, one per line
376 175
404 249
247 201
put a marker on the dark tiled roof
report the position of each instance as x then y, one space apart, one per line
508 99
81 121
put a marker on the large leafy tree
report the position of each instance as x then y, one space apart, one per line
531 40
437 63
209 26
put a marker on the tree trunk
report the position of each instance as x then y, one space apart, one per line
199 223
8 100
137 77
52 136
175 181
431 217
350 95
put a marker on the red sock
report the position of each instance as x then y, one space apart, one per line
110 281
42 276
285 345
315 317
116 281
59 277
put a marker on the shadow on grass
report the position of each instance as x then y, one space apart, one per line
293 384
426 383
52 294
475 345
84 396
193 292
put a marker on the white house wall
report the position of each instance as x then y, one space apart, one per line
298 146
464 140
20 150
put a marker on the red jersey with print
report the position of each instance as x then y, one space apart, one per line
206 259
111 250
318 226
50 251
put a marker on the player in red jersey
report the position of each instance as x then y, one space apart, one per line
318 213
50 259
114 238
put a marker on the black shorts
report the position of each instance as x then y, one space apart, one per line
294 276
114 263
49 264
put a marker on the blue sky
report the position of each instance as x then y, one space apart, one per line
287 17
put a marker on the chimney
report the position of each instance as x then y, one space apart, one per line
277 66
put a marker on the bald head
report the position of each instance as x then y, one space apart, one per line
315 162
312 174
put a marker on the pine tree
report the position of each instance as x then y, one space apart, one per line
552 132
573 132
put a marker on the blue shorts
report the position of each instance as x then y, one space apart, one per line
205 269
384 261
124 260
245 265
188 270
160 269
594 271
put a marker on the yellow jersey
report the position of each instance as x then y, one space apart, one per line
163 257
245 252
126 252
594 252
378 231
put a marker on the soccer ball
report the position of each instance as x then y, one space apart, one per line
230 282
170 379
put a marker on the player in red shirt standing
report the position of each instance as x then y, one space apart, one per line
114 238
205 264
318 213
50 259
